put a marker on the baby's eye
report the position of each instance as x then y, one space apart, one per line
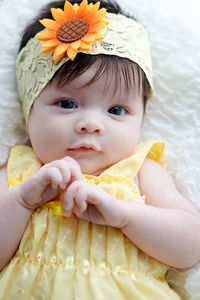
67 104
117 110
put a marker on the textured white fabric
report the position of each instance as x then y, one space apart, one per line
172 114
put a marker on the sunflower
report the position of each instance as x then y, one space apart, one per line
77 27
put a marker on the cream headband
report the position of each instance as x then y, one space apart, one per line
121 36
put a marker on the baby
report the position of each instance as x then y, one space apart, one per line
92 213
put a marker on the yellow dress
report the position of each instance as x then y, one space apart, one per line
71 259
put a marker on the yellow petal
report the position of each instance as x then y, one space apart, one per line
90 5
98 36
85 46
46 35
101 13
71 53
88 38
50 24
69 11
75 7
50 45
92 11
56 58
82 9
75 45
58 15
97 5
98 26
98 16
60 51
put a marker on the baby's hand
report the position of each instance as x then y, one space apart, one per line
47 182
93 204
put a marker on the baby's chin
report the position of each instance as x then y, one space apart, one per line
91 169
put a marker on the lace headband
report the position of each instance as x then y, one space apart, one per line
76 29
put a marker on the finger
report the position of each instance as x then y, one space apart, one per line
64 170
49 176
69 198
67 170
81 198
75 168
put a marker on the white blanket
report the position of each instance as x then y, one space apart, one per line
173 114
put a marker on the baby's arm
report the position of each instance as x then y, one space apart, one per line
18 203
167 227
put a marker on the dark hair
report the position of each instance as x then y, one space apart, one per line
132 73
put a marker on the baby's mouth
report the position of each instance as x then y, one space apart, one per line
83 148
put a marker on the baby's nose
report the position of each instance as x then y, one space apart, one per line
90 126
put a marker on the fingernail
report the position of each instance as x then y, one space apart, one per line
76 209
67 214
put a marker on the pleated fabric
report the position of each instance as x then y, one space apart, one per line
71 259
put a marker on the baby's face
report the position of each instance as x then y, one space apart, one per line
96 127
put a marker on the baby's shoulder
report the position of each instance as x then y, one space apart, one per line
160 190
155 182
150 171
149 167
3 178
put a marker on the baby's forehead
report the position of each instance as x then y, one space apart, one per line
102 88
116 81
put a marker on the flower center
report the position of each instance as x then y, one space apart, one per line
72 30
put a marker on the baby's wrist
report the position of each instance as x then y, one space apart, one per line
22 202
